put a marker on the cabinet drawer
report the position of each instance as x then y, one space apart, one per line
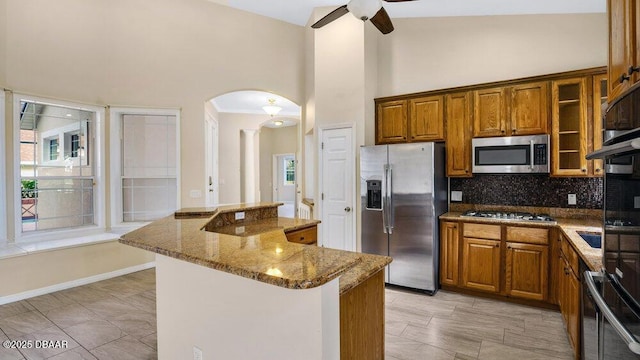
308 236
528 235
481 231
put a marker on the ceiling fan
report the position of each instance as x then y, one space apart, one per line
363 10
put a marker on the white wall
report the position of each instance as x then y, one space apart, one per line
3 41
435 53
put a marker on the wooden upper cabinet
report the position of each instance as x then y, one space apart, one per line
391 122
596 167
489 110
621 46
426 118
529 109
569 127
458 109
516 110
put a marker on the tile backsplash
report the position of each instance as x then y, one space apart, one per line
529 190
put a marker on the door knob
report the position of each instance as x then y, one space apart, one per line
347 209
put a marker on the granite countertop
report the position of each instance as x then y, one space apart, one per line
260 251
569 226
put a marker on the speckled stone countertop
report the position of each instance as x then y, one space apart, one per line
259 251
569 226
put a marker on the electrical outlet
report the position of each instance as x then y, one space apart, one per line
571 199
456 196
636 202
240 215
197 353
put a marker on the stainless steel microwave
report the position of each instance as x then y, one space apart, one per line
511 155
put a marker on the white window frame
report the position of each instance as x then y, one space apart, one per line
99 198
3 187
115 131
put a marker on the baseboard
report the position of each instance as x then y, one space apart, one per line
70 284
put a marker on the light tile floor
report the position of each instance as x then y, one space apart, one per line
115 319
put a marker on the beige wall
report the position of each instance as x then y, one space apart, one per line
274 141
157 53
435 53
24 273
139 53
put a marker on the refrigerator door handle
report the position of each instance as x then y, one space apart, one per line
390 198
384 201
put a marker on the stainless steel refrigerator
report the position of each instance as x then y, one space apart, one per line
403 191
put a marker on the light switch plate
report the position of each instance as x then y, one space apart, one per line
240 215
571 199
636 202
456 196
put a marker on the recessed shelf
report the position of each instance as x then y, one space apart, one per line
568 151
568 132
570 101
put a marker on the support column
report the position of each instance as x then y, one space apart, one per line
249 165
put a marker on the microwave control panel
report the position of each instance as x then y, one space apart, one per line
540 154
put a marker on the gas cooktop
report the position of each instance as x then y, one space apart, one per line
516 216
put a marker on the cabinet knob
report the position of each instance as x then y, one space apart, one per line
623 78
598 169
502 131
513 131
584 170
633 69
497 245
466 170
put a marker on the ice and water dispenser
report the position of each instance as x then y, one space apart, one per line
374 194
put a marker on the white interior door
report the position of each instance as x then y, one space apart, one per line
211 159
284 176
338 169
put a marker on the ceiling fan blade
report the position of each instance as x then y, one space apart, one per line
382 21
334 15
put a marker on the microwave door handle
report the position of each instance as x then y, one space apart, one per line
532 156
590 278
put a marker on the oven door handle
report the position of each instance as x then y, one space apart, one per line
590 278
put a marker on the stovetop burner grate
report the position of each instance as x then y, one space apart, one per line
505 215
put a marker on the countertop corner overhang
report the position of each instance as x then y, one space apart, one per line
265 255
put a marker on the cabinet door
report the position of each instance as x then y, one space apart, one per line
426 119
527 271
529 109
458 134
569 127
481 264
573 310
596 167
489 111
449 253
620 42
391 122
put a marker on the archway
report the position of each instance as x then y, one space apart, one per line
248 137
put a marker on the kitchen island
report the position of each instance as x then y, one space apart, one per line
231 286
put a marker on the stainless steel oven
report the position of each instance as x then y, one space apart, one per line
611 307
511 154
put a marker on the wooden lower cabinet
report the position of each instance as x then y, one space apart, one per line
481 264
527 271
362 320
569 293
307 236
449 253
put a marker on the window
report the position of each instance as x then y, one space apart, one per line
289 171
55 170
146 175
